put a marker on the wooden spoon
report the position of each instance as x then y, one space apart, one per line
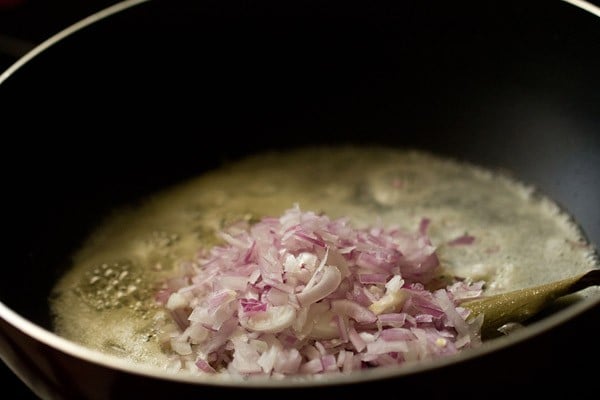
520 305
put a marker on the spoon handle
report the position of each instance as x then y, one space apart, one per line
519 305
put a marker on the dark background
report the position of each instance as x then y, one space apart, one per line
23 25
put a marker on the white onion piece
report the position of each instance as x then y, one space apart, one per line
352 309
274 319
328 281
176 300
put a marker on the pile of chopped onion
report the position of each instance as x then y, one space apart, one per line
305 294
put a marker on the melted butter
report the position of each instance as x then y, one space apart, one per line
106 300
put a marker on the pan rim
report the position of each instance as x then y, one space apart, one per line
125 4
68 31
117 363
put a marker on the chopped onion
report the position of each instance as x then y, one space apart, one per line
304 294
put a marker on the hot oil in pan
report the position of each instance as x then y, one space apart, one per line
106 300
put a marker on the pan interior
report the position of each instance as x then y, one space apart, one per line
106 301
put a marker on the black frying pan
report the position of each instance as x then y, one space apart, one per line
147 95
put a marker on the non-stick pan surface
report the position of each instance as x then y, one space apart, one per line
162 90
